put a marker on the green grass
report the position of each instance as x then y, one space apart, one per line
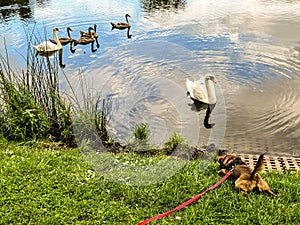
44 183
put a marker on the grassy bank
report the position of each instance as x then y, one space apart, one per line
44 183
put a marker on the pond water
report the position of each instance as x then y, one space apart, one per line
252 47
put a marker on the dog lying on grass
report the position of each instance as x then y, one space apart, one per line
246 178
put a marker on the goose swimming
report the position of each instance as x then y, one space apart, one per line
121 25
91 34
84 40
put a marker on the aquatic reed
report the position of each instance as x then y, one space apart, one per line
31 105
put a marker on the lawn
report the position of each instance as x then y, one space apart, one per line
44 183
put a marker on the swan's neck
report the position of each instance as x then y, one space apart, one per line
57 39
126 17
95 28
211 95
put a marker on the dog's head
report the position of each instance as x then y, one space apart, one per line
225 160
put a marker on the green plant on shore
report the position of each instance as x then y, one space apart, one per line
90 123
142 132
91 117
102 110
172 143
140 143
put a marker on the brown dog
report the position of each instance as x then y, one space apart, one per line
247 178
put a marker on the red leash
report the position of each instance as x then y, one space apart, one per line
195 198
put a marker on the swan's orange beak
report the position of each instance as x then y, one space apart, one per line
212 79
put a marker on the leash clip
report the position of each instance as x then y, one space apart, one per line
232 167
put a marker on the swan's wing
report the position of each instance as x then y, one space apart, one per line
189 85
196 90
46 46
41 46
122 24
200 94
202 87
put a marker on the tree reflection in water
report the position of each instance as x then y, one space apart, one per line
171 5
22 8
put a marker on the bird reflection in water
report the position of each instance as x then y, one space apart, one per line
47 55
73 50
200 106
128 33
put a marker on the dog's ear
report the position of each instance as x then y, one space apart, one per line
221 159
222 152
224 160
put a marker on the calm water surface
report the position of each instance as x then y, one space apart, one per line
251 46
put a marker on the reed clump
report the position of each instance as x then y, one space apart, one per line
31 106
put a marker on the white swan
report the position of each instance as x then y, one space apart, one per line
47 46
202 92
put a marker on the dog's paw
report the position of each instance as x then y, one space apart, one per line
224 171
244 193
